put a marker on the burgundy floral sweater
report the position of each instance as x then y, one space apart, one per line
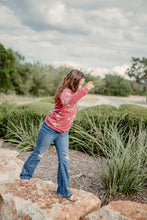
62 117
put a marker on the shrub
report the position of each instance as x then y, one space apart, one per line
98 113
5 109
32 113
127 116
134 115
116 85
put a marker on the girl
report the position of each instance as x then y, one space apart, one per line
55 128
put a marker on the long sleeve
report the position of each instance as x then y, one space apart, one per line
67 97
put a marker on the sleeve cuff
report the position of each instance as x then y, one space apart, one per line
85 90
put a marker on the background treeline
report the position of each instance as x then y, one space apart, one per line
37 79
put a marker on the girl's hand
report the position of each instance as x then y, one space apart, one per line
90 85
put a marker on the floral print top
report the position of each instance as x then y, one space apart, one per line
62 117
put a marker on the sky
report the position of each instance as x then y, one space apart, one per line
97 35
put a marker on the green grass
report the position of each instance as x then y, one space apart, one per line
125 154
25 138
125 171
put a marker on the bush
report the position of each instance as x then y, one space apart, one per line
5 109
32 112
128 117
134 115
137 88
7 68
116 85
98 113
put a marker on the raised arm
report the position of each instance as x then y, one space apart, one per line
67 97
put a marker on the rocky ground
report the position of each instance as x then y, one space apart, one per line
83 172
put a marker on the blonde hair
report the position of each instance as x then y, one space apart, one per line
71 80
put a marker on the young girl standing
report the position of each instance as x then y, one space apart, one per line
55 128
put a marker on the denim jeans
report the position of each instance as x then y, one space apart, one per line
46 136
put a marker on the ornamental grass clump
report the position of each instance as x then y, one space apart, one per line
22 135
125 154
125 171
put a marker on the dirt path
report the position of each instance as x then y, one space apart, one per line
92 99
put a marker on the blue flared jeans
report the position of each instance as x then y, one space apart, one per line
46 136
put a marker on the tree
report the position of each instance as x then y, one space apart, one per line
116 85
7 68
19 57
138 70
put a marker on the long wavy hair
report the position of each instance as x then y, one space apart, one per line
71 80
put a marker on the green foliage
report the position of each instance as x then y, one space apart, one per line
127 116
134 115
137 88
125 170
22 79
99 114
23 137
37 79
85 118
99 84
7 68
116 85
5 109
32 112
31 79
124 153
138 70
18 57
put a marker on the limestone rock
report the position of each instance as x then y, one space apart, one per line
39 201
10 165
132 210
120 210
103 214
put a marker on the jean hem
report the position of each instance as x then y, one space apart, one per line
64 195
24 179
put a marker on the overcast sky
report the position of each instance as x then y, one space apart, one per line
98 34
